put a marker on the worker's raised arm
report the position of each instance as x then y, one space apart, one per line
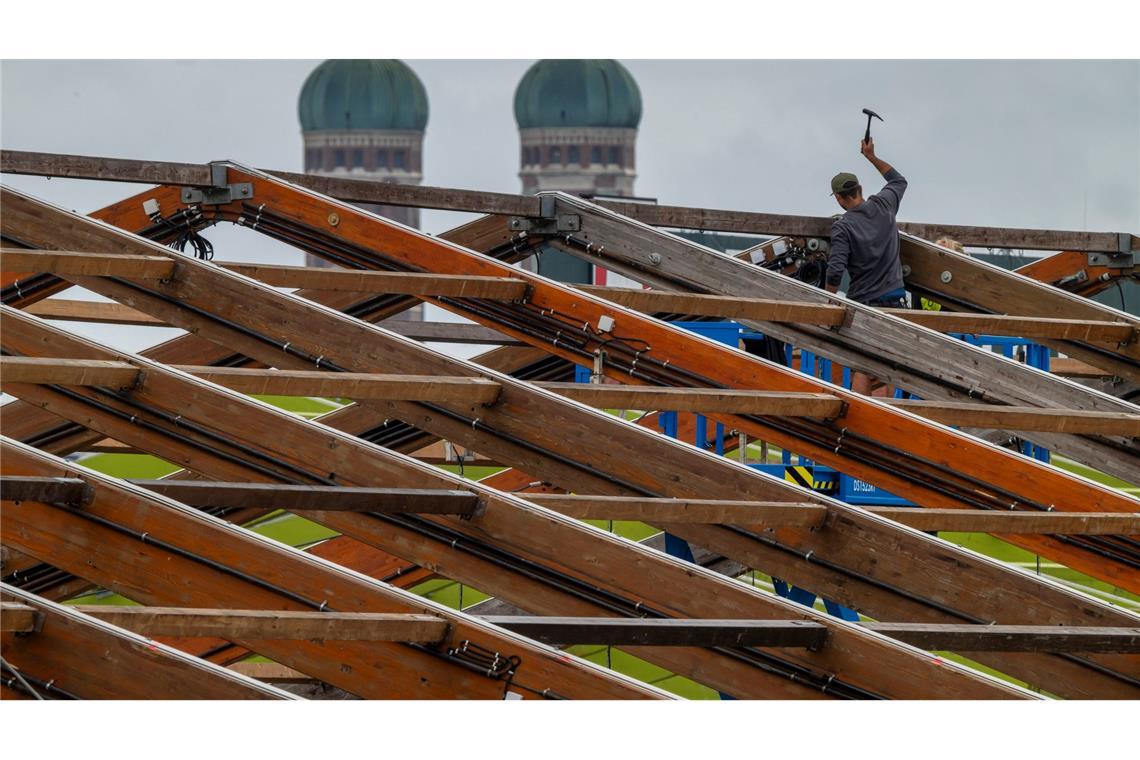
867 147
892 192
839 250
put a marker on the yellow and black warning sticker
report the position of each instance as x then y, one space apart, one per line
805 476
799 475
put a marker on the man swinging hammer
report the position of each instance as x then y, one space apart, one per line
865 242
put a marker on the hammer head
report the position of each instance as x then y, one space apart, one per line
870 113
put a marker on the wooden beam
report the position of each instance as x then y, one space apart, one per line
270 672
812 516
963 283
829 315
16 617
369 281
1089 330
1023 418
933 366
39 371
1012 638
669 632
567 631
664 511
354 385
73 491
92 311
294 498
1019 523
91 659
728 307
272 624
197 553
359 347
87 264
118 314
451 199
532 534
448 332
727 400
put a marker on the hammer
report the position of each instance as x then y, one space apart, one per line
870 113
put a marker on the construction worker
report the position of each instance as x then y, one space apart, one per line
865 243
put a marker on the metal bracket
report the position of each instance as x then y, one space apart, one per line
1123 259
220 193
547 225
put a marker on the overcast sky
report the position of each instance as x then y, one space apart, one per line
1051 144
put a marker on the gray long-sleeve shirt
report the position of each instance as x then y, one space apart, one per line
865 242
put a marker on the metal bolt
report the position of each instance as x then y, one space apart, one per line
655 259
906 270
334 219
946 277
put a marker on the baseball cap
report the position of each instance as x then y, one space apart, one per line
843 181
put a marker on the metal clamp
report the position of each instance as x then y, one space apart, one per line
547 225
1122 259
220 193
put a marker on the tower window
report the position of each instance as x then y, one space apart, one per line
555 155
357 158
338 158
615 155
382 159
574 157
399 159
596 154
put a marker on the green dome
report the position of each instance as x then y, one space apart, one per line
342 94
575 93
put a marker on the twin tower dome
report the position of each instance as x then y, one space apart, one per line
577 125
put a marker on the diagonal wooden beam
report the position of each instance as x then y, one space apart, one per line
934 451
126 532
963 283
80 656
708 475
446 544
934 366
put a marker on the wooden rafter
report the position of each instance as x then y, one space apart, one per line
642 575
934 366
208 563
72 654
716 482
